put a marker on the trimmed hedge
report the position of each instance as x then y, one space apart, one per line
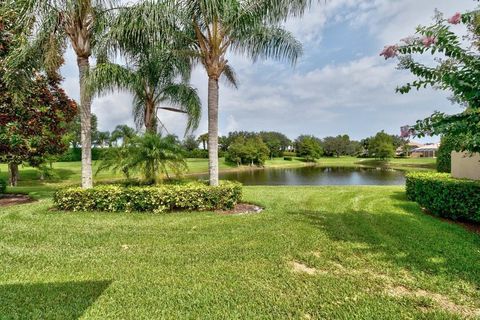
445 196
115 198
3 186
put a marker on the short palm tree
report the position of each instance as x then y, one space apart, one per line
150 155
210 30
56 23
152 77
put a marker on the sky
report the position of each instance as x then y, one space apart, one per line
339 86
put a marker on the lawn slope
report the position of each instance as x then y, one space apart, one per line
315 252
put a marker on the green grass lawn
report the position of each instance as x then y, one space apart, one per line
315 252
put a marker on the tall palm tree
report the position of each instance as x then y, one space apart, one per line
152 77
58 23
210 30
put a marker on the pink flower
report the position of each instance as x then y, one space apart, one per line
428 41
456 18
389 51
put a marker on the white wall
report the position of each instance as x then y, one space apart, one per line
466 166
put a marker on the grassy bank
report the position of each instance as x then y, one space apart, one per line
315 252
69 172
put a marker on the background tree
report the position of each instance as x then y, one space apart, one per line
74 131
31 130
456 69
124 133
381 146
102 139
249 150
78 22
276 142
203 139
190 143
308 147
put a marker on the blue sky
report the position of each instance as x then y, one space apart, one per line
340 86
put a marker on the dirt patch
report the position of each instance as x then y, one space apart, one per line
14 199
440 300
242 208
299 267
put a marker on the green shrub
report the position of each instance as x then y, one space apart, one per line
445 196
115 198
289 154
444 155
75 154
3 186
287 158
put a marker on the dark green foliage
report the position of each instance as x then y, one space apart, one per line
276 142
3 186
444 155
75 154
190 143
381 146
115 198
308 147
340 145
196 154
287 158
445 196
247 150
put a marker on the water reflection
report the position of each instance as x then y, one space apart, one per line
317 176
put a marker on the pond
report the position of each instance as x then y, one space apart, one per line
315 175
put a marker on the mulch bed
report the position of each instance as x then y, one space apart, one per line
470 226
242 208
14 199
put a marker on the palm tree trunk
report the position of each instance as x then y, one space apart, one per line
13 174
150 121
85 123
213 131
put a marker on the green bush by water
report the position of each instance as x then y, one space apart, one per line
115 198
445 196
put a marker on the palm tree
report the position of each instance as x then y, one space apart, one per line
58 22
151 155
203 139
124 133
210 30
151 76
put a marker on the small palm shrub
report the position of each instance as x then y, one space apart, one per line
115 198
150 155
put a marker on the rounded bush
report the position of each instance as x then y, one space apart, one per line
445 196
117 198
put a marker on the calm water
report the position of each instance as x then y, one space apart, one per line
317 176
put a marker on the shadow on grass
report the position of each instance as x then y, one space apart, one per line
63 300
406 238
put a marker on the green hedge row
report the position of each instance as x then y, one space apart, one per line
75 154
114 198
445 196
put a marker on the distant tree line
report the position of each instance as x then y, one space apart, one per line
249 148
